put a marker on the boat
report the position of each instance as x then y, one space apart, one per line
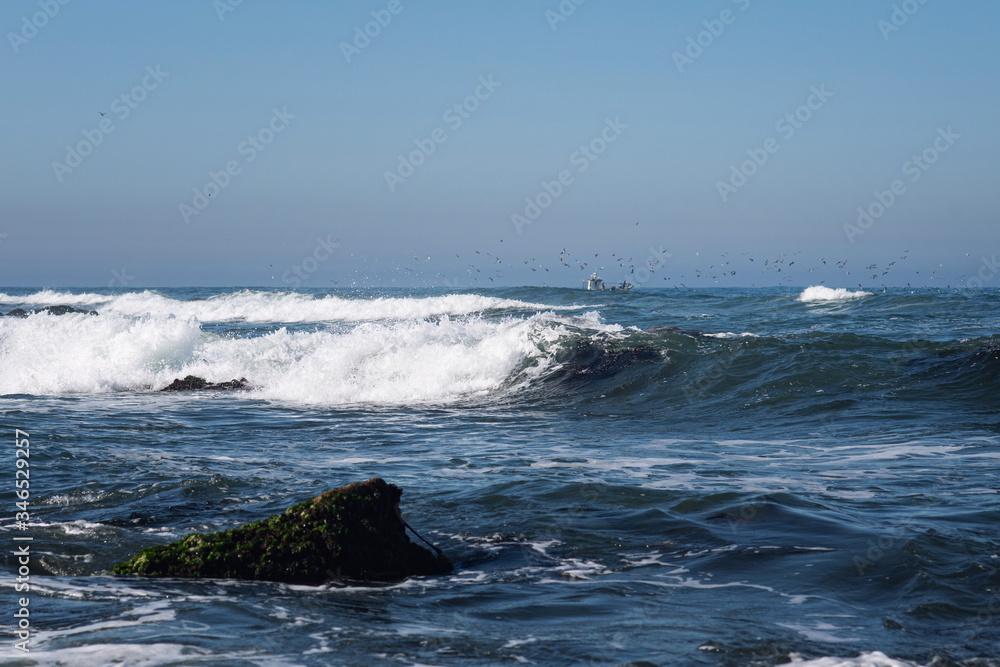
596 283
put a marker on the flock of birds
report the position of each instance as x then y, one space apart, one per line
489 267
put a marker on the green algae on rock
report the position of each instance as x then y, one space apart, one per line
354 532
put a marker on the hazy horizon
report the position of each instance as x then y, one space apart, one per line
384 143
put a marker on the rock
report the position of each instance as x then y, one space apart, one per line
195 383
352 533
51 310
63 310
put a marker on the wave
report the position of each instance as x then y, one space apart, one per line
379 362
54 298
466 347
872 659
287 307
819 293
77 353
730 334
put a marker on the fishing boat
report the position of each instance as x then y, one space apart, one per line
596 283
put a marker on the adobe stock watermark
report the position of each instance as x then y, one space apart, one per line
120 278
908 353
454 116
901 13
657 257
38 20
249 149
22 542
713 30
878 548
562 13
223 7
748 512
988 269
122 106
299 273
700 384
914 168
986 613
581 158
363 37
787 126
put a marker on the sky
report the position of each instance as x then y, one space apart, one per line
463 144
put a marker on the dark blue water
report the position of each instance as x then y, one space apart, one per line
708 477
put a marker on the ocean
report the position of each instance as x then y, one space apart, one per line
804 476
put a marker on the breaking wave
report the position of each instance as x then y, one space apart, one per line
819 293
436 359
443 350
289 307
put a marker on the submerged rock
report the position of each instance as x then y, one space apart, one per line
62 310
51 310
355 532
195 383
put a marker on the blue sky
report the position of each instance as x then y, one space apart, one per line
667 120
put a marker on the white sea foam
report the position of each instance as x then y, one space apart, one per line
102 654
819 293
410 362
873 659
52 298
45 354
415 360
386 351
286 307
730 334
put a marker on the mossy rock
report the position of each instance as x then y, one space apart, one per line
351 533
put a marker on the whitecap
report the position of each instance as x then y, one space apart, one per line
820 293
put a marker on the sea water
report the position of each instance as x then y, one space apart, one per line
686 476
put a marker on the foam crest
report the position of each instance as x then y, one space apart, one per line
76 353
376 363
289 307
730 334
873 659
383 362
820 293
53 298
